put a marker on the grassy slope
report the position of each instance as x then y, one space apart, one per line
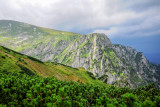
11 61
20 36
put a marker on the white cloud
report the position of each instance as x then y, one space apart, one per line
146 23
83 15
75 13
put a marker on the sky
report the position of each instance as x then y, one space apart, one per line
134 23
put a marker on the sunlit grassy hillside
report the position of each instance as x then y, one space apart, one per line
11 61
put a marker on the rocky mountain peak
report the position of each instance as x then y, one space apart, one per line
114 64
101 39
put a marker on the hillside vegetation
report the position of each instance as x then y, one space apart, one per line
66 69
11 61
33 91
114 64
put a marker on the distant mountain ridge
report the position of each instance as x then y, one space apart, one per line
113 64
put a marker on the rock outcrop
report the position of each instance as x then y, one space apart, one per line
113 64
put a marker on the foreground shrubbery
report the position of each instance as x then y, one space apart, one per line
23 90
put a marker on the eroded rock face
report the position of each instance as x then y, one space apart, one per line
113 64
140 71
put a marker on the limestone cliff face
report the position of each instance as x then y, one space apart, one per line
113 64
140 70
86 52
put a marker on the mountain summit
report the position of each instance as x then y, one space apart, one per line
113 64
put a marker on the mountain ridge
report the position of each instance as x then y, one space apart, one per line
113 64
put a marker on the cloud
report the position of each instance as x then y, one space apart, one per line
113 17
65 13
145 23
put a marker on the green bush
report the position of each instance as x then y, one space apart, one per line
18 89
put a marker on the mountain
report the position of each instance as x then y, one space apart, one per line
113 64
11 61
